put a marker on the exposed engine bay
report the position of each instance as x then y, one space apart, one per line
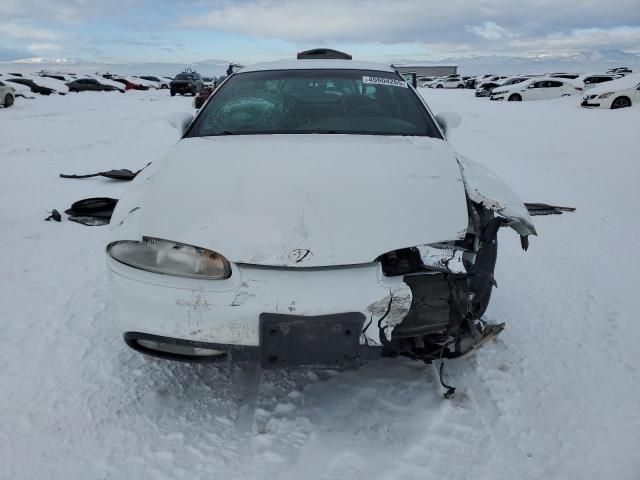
450 290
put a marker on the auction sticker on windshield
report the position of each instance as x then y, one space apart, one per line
384 81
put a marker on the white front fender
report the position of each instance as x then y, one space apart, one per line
489 190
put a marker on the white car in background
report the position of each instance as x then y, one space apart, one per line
7 95
159 83
590 80
343 226
535 89
619 93
449 82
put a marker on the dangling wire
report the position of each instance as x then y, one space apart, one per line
450 390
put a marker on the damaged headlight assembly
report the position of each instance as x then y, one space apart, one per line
439 257
170 258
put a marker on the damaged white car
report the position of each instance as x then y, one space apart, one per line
312 214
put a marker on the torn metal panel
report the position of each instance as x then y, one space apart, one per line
385 314
442 257
487 189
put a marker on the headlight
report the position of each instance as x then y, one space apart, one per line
446 258
606 95
171 258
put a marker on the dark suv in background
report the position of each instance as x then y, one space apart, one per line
186 82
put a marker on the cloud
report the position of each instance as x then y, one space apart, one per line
23 31
489 31
43 47
425 21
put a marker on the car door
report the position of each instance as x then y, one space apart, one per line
535 91
636 95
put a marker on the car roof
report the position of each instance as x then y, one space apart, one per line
314 64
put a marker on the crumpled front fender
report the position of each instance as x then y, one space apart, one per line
487 189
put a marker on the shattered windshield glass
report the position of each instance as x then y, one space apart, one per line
314 101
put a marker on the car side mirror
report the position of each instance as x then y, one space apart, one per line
448 121
181 121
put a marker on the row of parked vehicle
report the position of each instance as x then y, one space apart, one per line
14 84
621 89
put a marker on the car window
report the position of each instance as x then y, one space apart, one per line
537 85
315 101
553 84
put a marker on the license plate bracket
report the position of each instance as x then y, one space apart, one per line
327 341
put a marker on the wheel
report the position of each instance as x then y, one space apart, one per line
8 101
439 86
164 87
460 86
73 90
173 94
516 97
193 92
621 102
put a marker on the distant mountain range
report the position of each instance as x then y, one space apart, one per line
590 61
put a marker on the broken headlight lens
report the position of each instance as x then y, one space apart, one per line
170 258
440 257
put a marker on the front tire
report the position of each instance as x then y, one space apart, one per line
439 86
173 94
516 97
460 86
8 101
621 102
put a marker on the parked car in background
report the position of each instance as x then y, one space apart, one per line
590 80
22 91
7 95
485 88
341 289
89 85
620 93
202 97
60 86
129 84
568 76
160 82
535 89
33 86
449 82
621 70
186 82
474 82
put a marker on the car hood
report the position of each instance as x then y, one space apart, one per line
298 200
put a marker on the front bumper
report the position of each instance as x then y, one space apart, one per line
227 312
586 103
498 98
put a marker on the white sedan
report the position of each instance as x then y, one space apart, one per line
312 214
448 82
620 93
535 89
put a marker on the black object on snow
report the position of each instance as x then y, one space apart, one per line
119 174
544 209
55 215
99 207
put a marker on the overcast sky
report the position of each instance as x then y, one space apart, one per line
252 30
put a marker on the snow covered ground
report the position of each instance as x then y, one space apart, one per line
556 396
